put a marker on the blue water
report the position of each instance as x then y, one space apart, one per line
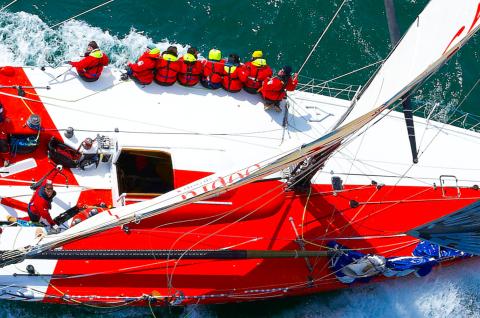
285 30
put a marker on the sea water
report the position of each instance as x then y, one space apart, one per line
285 30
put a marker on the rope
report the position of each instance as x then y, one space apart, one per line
321 37
351 72
444 124
8 5
76 16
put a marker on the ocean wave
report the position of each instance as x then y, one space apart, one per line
27 40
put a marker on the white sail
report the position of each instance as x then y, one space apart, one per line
438 32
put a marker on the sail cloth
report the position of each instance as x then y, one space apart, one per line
438 32
459 230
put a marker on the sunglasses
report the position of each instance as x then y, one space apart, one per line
49 189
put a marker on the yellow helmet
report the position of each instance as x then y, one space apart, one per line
154 51
189 58
215 55
257 54
259 62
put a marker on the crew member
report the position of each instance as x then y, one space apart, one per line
213 70
190 68
167 67
91 66
274 90
255 71
142 71
41 201
232 74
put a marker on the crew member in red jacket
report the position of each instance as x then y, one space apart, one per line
142 71
167 67
255 72
190 68
274 90
213 70
91 66
41 201
232 74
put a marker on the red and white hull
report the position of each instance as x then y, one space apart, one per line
206 132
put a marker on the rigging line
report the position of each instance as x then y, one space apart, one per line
427 125
321 37
444 124
8 5
170 279
383 209
351 72
127 119
238 134
82 13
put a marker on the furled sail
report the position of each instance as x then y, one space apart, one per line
435 35
459 230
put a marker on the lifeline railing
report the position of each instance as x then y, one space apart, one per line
443 114
328 88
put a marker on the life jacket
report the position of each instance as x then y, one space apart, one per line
255 72
40 204
190 70
142 71
274 89
91 67
166 69
213 71
231 78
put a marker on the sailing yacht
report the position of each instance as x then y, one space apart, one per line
176 195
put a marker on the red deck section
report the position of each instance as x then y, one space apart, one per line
371 227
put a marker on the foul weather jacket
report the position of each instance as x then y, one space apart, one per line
213 71
189 72
254 76
166 69
90 68
274 89
232 75
143 69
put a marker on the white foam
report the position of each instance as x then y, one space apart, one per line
27 40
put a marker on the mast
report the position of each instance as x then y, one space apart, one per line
394 31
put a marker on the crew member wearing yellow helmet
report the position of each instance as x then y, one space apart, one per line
213 70
190 68
255 71
142 71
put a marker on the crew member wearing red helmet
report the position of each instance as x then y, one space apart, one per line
275 89
190 68
91 66
255 72
142 71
